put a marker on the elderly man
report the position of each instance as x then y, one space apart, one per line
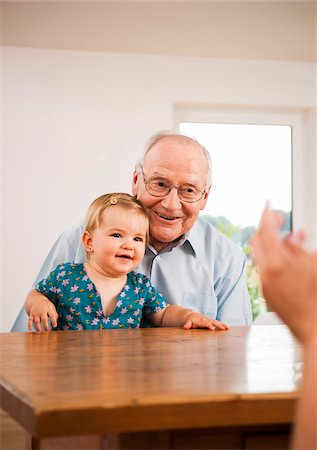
187 259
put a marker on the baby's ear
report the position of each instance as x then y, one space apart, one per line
87 241
134 183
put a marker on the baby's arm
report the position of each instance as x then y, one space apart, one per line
39 308
177 316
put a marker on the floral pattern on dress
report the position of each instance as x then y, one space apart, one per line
78 302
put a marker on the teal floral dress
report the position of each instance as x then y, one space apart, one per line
78 302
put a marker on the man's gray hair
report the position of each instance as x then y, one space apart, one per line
169 134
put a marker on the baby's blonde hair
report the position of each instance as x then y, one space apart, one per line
113 200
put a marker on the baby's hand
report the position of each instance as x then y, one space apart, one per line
197 320
40 310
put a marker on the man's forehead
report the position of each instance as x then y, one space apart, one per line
176 147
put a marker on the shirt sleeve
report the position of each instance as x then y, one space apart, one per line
234 306
67 248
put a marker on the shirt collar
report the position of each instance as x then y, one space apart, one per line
193 240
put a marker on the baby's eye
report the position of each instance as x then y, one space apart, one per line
116 235
138 239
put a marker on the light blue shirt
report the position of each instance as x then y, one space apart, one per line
204 270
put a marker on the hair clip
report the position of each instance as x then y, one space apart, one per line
113 201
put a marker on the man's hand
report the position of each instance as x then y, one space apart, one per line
197 320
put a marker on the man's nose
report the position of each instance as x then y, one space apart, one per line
171 200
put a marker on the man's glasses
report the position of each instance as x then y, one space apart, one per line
159 187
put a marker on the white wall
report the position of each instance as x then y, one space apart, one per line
261 29
2 312
75 122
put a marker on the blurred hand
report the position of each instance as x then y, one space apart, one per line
288 275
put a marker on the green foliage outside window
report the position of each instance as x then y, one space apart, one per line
258 304
242 236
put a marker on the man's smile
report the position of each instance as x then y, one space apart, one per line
165 217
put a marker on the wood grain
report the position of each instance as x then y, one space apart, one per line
119 381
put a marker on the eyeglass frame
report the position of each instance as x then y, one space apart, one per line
176 186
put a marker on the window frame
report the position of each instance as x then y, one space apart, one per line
293 117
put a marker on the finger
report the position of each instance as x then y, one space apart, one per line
295 241
37 323
301 237
221 325
30 323
278 219
53 317
188 324
268 227
266 245
207 323
45 324
297 238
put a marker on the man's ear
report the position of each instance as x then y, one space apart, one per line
205 198
134 183
87 241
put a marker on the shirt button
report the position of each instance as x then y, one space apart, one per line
158 257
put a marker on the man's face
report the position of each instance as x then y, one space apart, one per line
177 162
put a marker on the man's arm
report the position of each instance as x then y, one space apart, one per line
67 248
289 278
305 435
234 305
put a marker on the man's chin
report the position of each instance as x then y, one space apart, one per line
161 238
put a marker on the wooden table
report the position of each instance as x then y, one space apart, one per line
151 388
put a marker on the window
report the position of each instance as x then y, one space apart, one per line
252 164
252 154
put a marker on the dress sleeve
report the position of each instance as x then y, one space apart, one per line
154 300
50 286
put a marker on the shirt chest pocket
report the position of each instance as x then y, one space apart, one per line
205 304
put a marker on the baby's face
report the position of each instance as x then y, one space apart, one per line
119 242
